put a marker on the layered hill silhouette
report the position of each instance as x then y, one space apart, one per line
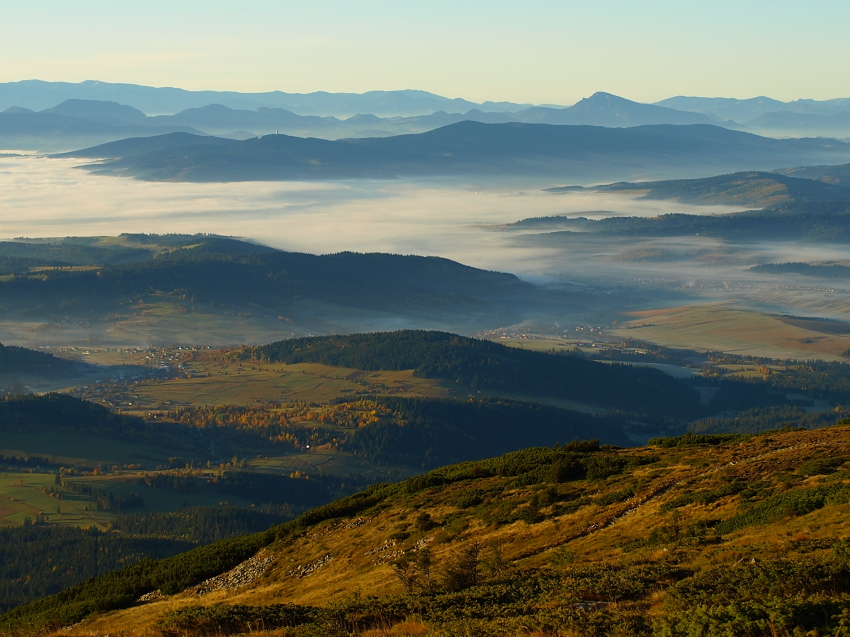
749 110
53 116
815 222
37 95
73 123
73 120
693 535
469 148
752 189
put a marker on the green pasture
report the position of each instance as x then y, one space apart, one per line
25 495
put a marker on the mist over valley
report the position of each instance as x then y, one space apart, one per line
529 228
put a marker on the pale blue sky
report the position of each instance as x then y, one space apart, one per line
539 51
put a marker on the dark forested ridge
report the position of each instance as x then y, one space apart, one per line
69 556
57 412
485 365
825 221
826 270
20 360
225 272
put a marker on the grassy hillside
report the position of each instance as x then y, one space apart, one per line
698 535
74 471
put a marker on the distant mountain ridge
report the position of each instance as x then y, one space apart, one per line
98 112
76 122
585 152
605 109
742 110
800 117
105 121
38 95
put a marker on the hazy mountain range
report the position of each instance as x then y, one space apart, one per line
51 116
38 95
471 148
75 123
744 111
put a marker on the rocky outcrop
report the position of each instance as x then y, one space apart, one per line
245 573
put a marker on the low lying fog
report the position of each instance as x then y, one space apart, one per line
43 197
48 197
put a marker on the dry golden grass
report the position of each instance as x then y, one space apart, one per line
218 383
737 331
361 548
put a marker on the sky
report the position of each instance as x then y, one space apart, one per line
540 51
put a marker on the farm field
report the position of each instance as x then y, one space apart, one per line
28 495
735 331
241 383
25 495
329 462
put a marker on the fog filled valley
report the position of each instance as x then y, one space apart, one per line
514 226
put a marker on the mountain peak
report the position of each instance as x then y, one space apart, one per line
601 97
18 109
101 110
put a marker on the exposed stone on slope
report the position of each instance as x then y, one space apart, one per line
245 573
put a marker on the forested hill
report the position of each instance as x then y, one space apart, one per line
821 221
485 365
20 360
228 273
57 412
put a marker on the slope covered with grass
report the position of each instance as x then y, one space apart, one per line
698 535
